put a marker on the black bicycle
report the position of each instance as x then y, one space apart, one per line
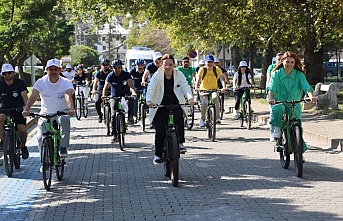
245 111
11 142
189 117
141 112
221 105
80 106
291 140
107 116
50 156
211 118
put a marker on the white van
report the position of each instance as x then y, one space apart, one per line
138 52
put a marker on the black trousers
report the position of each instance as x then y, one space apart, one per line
114 105
238 95
161 121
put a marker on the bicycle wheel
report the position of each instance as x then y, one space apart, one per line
107 117
297 146
174 156
78 109
211 122
142 115
121 130
221 105
8 153
189 122
47 162
60 169
248 114
285 155
85 108
16 155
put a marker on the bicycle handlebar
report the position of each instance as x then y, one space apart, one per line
293 102
47 116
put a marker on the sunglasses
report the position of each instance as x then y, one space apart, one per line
6 73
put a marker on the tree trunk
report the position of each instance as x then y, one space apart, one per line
252 54
313 60
236 57
268 54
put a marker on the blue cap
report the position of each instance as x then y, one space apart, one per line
209 58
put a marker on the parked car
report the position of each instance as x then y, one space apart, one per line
332 68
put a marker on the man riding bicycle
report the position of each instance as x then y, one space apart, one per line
137 75
81 79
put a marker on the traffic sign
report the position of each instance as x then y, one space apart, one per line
192 54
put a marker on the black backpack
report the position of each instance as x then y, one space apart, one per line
205 72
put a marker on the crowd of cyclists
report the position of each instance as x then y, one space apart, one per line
161 81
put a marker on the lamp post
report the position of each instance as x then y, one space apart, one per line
117 48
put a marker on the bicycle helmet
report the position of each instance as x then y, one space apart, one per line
105 61
117 62
79 67
139 61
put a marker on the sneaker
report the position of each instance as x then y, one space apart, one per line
24 153
41 169
218 121
201 123
157 160
182 149
272 139
114 140
152 126
236 117
131 121
63 152
100 118
277 132
303 159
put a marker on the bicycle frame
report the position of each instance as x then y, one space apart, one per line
56 136
243 99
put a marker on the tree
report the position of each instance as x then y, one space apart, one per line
81 54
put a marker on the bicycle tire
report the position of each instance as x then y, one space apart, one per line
142 114
121 130
85 110
8 156
16 156
47 162
60 169
174 156
221 105
78 109
297 146
211 122
189 122
248 114
285 155
107 117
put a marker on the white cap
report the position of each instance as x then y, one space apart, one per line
243 64
216 59
53 62
201 62
68 66
7 68
157 55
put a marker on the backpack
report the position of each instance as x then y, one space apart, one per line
205 72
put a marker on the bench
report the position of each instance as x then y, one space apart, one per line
326 96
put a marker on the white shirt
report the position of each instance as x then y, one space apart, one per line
69 75
53 94
244 82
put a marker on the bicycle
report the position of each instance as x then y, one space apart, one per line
211 118
11 142
291 140
50 156
189 118
171 151
107 116
81 106
221 105
141 113
245 110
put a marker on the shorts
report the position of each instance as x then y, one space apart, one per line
18 118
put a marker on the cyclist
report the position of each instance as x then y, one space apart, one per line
201 64
69 73
13 93
56 95
220 86
81 79
98 85
167 86
242 78
121 84
288 82
137 73
207 79
150 69
187 70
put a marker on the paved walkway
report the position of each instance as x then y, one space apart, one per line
239 177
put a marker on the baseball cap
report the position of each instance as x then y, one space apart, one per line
157 55
53 62
209 58
243 64
7 68
201 62
216 59
68 66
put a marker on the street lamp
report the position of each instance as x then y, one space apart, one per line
117 47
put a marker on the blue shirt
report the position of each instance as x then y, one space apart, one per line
119 85
152 68
137 78
102 77
81 80
11 94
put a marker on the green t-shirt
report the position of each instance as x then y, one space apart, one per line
188 73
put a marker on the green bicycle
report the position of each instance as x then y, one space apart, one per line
211 118
245 112
11 142
50 156
291 140
141 112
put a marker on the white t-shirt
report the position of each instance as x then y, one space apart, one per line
69 75
53 94
244 82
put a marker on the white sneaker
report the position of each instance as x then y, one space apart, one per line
277 132
157 160
201 123
272 139
182 148
235 114
41 169
218 121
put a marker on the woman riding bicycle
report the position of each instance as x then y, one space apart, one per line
167 86
288 83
